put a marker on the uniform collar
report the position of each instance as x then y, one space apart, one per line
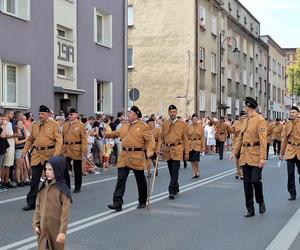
174 120
134 122
44 121
253 115
74 121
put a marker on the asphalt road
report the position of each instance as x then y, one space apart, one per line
207 214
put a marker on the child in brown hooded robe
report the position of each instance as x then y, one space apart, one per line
51 215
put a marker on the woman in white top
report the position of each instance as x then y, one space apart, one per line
210 135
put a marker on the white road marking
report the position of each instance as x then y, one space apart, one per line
84 184
104 216
287 234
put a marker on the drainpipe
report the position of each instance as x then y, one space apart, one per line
125 57
196 62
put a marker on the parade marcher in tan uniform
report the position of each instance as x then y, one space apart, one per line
50 220
74 146
252 147
197 144
291 149
236 130
155 132
44 142
277 136
174 140
136 139
222 131
269 135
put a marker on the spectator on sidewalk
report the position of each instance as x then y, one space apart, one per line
3 145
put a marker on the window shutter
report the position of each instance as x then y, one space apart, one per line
24 86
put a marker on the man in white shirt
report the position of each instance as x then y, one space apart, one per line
10 152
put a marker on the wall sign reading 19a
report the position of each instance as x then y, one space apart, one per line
65 52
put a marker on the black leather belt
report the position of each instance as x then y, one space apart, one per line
194 139
71 142
251 144
44 148
172 144
222 133
132 149
293 143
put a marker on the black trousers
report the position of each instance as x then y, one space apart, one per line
252 182
268 149
277 146
77 164
121 185
173 167
291 175
35 182
220 145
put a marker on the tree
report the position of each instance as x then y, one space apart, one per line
293 74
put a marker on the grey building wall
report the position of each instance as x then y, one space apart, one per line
98 62
31 43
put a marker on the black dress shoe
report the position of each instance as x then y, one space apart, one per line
77 191
171 196
242 178
28 207
249 214
236 176
20 184
195 176
118 208
262 208
8 185
141 206
292 198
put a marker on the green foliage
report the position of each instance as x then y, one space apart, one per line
293 73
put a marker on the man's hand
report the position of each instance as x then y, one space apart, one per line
280 157
60 238
37 231
262 163
232 156
149 154
186 157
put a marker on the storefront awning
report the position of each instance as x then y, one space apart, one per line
68 91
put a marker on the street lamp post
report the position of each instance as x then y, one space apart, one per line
235 50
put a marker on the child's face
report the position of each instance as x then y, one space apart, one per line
49 172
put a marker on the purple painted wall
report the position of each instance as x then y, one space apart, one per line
97 62
32 43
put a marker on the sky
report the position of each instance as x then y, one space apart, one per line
279 19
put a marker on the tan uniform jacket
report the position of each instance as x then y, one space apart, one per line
134 136
74 140
155 132
290 146
236 130
254 130
270 131
277 131
196 137
43 135
222 131
51 215
174 140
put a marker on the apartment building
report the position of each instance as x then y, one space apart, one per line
161 54
63 53
277 79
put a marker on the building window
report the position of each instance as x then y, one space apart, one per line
237 15
245 46
64 32
103 97
245 20
202 58
245 77
130 57
229 6
213 63
213 84
65 72
15 82
103 28
130 15
229 93
17 8
251 80
202 100
237 74
202 17
213 25
229 70
213 103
